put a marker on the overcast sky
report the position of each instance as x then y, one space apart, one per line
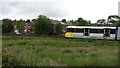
59 9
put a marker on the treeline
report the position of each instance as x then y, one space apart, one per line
112 20
44 26
40 26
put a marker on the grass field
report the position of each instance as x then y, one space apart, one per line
51 51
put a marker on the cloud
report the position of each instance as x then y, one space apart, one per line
59 9
32 9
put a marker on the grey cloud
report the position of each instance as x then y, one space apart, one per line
7 7
31 9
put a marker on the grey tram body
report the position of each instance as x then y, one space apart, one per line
113 32
118 33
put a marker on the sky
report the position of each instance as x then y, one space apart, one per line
58 9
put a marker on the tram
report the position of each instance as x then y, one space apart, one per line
94 32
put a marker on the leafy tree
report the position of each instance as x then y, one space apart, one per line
33 19
101 21
64 20
113 18
58 28
117 23
20 25
43 25
7 26
82 22
33 23
28 20
74 22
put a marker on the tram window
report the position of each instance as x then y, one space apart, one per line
112 31
96 31
75 30
68 29
92 31
80 30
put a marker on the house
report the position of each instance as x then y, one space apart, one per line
65 24
28 27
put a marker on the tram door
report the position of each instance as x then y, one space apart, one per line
107 32
86 31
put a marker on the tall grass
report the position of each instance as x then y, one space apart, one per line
47 51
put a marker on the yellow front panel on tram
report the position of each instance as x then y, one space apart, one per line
68 34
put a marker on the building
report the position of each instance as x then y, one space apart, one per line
64 24
28 27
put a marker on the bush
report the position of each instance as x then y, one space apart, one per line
43 25
7 26
8 60
58 28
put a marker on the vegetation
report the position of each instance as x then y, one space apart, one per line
114 19
63 20
101 21
50 51
58 29
82 22
7 26
43 25
20 25
118 23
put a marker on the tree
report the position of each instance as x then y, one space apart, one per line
64 20
58 28
20 25
101 21
113 18
74 22
43 25
117 23
82 22
33 20
7 26
28 20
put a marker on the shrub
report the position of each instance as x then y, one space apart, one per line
7 26
43 25
58 28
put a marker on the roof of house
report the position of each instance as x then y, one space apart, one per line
55 21
63 23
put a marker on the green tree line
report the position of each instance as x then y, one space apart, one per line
43 25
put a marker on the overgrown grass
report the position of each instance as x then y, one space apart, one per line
47 51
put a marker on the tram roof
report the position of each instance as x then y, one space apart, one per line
92 27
